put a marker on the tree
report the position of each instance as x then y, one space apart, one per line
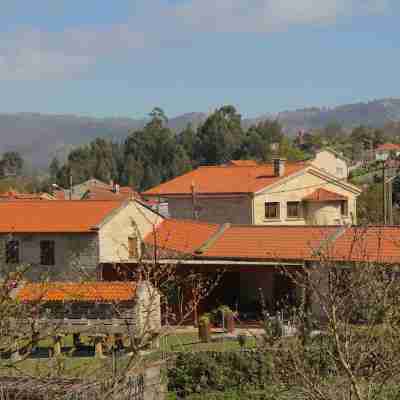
54 169
11 164
369 205
156 152
333 131
220 136
379 137
258 139
187 139
353 308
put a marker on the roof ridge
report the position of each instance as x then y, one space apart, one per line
212 239
330 239
193 221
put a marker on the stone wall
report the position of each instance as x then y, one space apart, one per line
133 220
76 255
236 210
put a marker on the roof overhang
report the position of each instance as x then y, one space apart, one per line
223 262
199 195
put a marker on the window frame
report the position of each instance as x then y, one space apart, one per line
12 258
299 211
268 205
133 248
344 208
48 255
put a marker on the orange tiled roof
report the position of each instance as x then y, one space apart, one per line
59 195
107 193
182 236
324 195
273 243
69 291
372 244
12 195
243 163
224 179
268 242
53 216
388 147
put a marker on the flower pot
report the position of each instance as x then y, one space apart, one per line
229 322
204 332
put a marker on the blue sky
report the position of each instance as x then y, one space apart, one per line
122 58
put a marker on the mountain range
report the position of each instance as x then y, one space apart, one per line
39 137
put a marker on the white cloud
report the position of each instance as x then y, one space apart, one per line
271 15
32 53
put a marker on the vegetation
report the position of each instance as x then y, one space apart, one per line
155 153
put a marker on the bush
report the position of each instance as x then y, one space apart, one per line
208 371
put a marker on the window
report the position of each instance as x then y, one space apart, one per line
339 171
293 209
344 208
132 247
12 252
272 210
47 252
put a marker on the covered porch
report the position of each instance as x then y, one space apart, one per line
247 287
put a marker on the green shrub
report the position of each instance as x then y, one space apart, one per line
208 371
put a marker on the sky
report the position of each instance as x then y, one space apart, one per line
124 57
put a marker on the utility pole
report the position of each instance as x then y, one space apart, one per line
389 191
384 198
70 185
194 205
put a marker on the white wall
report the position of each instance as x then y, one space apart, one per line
331 163
131 220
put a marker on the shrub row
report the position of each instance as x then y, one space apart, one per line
217 371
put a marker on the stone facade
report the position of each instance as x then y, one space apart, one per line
250 209
76 255
131 221
236 210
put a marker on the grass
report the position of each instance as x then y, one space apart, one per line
190 342
72 366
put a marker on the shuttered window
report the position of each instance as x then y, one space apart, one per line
272 210
47 252
133 247
12 252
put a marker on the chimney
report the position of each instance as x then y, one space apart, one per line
279 166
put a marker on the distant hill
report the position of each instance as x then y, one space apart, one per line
39 136
374 113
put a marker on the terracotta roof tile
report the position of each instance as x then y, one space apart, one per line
54 216
243 163
388 147
12 195
370 244
182 236
69 291
224 179
107 193
269 242
324 195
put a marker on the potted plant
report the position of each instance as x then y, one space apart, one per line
204 328
229 318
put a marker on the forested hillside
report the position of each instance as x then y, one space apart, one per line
40 137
